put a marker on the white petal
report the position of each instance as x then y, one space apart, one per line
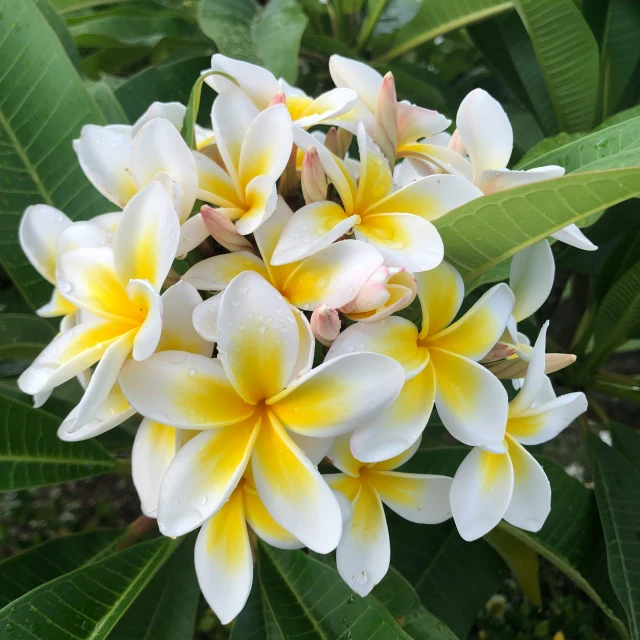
573 236
203 474
358 76
159 148
415 123
205 318
531 278
414 496
481 492
215 273
364 552
147 237
531 500
293 491
178 332
192 233
40 229
534 378
330 104
148 335
153 450
494 180
485 131
81 235
314 448
256 82
307 345
174 112
223 560
106 157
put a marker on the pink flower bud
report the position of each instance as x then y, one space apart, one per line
279 98
313 178
338 141
373 294
224 231
325 324
456 144
500 351
387 118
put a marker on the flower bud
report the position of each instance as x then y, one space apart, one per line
386 134
373 294
517 368
456 144
325 324
500 351
556 361
224 231
338 141
279 98
312 177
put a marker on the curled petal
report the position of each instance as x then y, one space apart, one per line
531 278
223 231
325 324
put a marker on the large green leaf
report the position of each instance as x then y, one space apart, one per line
627 441
620 51
166 609
106 100
23 336
165 83
573 152
295 595
43 105
568 55
66 6
86 603
60 28
269 36
31 568
31 455
486 231
437 17
401 600
617 317
617 485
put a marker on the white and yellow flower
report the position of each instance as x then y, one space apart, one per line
262 88
245 403
332 277
397 223
119 289
254 147
441 367
490 486
363 553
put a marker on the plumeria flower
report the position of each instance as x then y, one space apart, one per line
486 134
246 402
490 486
178 333
441 366
331 277
396 223
262 88
223 559
363 554
119 287
255 148
395 126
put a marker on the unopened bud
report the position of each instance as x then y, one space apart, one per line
556 361
279 98
456 144
325 324
387 119
224 231
517 368
373 294
338 141
500 351
312 177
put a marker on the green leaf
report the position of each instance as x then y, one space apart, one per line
297 595
620 52
193 107
498 273
617 485
43 105
617 317
521 560
486 231
277 33
106 100
401 600
269 36
86 603
66 6
627 441
23 336
577 152
60 28
165 83
167 608
437 17
568 55
31 455
621 116
45 562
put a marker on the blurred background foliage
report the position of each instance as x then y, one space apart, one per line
568 75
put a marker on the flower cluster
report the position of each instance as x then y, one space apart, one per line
308 256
